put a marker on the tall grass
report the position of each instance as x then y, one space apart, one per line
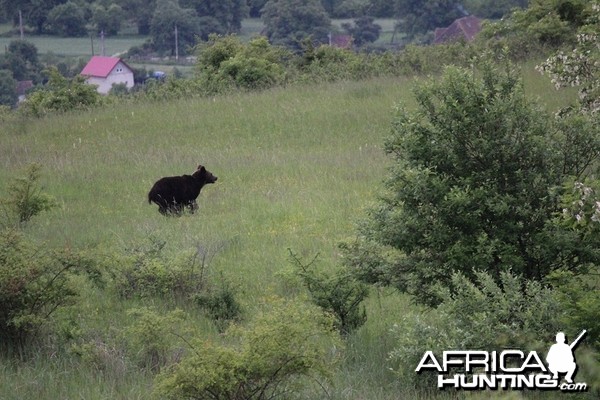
296 166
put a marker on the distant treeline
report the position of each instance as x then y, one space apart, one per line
226 63
203 17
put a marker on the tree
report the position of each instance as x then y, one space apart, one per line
107 19
225 62
255 6
580 216
34 12
352 8
167 16
288 22
421 16
545 23
580 67
141 11
475 186
22 60
381 8
67 19
363 31
8 88
493 9
228 13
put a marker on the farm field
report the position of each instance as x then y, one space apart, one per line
79 46
83 47
298 167
116 45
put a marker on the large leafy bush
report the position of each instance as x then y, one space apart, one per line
34 284
475 186
226 62
60 95
479 314
285 344
338 293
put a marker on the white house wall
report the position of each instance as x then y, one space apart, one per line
119 74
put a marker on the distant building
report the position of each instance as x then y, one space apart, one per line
22 88
106 71
465 28
340 41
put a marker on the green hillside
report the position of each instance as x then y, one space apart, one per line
297 167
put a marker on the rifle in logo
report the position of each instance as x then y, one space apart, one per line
576 341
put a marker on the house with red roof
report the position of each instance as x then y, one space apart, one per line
340 41
107 71
465 28
22 88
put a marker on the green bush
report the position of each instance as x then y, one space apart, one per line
338 293
544 25
25 199
6 114
580 236
149 271
425 60
479 314
474 185
146 271
226 62
34 284
150 338
251 72
60 95
220 303
270 358
173 88
580 66
580 299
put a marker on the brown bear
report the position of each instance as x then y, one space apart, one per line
173 193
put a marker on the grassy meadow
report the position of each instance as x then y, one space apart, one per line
297 168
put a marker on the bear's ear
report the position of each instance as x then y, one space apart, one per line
201 168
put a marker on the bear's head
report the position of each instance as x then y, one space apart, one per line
204 175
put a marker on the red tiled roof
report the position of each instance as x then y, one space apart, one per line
341 41
100 66
23 86
463 28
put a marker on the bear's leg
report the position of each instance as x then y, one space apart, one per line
177 209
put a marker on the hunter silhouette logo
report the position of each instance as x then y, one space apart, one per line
560 357
507 369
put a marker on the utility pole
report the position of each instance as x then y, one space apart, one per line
176 44
21 24
102 42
